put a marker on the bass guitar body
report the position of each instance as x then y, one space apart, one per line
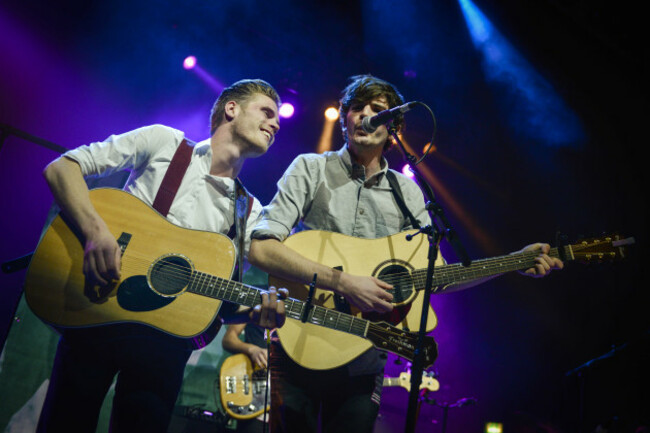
243 388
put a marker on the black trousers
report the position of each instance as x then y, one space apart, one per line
300 397
150 374
251 426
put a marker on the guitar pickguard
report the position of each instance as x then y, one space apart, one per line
134 294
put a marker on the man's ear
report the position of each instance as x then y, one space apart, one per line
231 110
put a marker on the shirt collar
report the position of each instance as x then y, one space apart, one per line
358 171
225 184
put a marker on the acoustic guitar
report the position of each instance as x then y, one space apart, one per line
172 279
401 263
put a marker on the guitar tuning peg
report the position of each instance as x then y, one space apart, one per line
432 373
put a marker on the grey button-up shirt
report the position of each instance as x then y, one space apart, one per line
330 192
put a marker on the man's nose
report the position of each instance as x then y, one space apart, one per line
275 124
367 111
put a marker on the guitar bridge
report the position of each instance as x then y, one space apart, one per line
231 384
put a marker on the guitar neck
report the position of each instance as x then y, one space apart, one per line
382 335
483 268
242 294
392 381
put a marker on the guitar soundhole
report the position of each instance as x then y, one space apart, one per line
400 278
170 275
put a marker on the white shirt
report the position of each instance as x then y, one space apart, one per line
203 201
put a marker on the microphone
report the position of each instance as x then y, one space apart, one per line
370 124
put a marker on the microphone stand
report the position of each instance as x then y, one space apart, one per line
6 131
439 226
21 262
580 372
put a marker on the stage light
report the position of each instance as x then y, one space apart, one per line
406 171
425 149
286 110
189 62
331 114
325 141
454 206
493 427
534 109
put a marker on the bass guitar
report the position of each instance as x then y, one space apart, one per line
428 383
243 387
172 279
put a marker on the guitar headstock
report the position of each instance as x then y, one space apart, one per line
601 249
402 343
428 383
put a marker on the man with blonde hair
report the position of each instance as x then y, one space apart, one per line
202 195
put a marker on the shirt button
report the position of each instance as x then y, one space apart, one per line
361 211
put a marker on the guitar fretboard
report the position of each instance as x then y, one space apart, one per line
456 272
392 381
242 294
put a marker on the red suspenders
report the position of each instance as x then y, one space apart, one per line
173 178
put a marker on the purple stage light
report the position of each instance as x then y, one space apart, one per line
406 171
189 62
286 110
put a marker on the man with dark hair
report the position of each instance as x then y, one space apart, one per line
150 363
346 192
368 88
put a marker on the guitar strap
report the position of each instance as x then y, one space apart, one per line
399 198
173 177
172 181
243 207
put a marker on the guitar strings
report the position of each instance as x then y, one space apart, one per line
137 261
175 270
397 276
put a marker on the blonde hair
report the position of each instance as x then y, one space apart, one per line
239 92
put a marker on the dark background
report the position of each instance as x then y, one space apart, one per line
518 160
